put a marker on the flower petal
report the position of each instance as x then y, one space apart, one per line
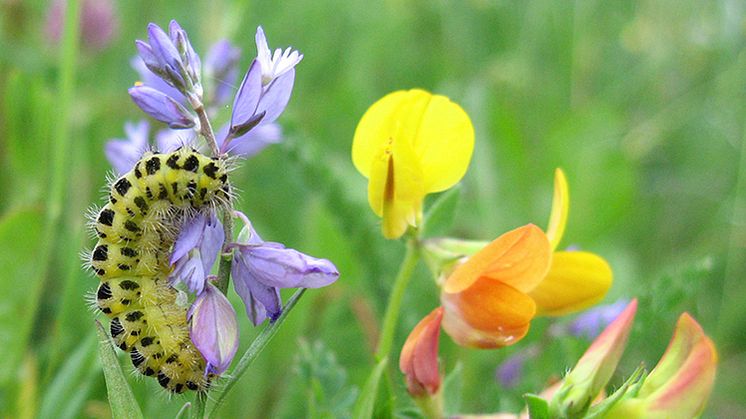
276 266
161 107
487 314
276 97
576 280
519 258
560 209
189 237
214 329
254 141
244 105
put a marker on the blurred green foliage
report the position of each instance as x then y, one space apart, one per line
642 103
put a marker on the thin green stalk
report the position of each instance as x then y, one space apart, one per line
406 269
255 349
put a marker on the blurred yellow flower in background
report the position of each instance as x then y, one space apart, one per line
408 144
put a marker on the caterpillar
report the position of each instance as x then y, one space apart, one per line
136 230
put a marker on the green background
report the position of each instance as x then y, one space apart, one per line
642 103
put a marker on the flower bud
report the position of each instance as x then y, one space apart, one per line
419 356
214 329
595 368
681 383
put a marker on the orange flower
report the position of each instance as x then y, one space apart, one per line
485 300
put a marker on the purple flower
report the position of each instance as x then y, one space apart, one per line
162 107
265 90
172 58
150 79
221 69
195 251
214 330
261 268
124 153
591 322
274 66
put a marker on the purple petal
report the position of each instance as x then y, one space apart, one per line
260 299
255 140
276 266
163 47
123 154
212 242
189 271
181 40
591 322
169 140
214 329
276 97
161 107
189 237
147 55
247 98
150 79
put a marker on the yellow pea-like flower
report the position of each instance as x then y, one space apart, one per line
408 144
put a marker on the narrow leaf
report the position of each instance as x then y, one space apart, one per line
69 379
367 400
121 400
255 349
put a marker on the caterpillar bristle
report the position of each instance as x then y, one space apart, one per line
136 229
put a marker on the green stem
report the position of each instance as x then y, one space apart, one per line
255 349
226 258
406 269
198 412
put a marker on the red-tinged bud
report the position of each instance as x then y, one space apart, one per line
681 383
595 368
419 356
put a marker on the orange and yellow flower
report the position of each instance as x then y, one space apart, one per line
408 144
491 298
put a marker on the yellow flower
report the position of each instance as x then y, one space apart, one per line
576 279
408 144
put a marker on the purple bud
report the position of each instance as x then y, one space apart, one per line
189 58
214 330
163 47
162 107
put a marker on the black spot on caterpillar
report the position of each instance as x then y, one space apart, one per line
136 231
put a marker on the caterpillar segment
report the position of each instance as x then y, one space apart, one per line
136 229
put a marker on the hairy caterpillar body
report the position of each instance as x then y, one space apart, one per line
136 230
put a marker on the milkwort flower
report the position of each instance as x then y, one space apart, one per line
195 251
261 98
261 268
214 329
409 144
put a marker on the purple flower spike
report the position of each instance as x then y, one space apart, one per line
196 250
214 329
162 107
172 58
260 269
124 153
591 322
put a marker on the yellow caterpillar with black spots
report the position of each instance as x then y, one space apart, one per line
136 230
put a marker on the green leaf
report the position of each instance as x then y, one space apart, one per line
367 400
538 408
121 400
439 216
255 349
20 287
330 393
62 392
628 389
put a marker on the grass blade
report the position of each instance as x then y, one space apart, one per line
121 400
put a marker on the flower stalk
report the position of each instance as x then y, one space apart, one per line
411 257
